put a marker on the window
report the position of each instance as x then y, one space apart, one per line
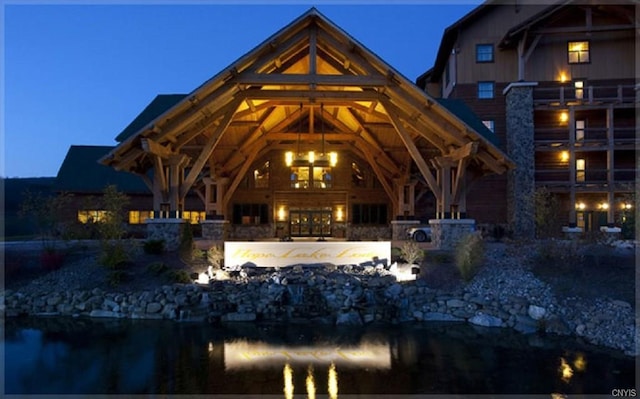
578 52
369 213
484 52
490 124
579 89
580 126
261 176
137 217
299 177
311 176
485 90
250 214
580 169
91 216
194 216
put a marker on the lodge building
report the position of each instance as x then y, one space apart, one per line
312 134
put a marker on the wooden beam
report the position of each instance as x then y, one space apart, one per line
413 151
311 79
238 178
208 148
467 150
313 50
152 147
381 178
283 50
310 95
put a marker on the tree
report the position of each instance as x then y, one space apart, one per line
547 209
112 228
47 212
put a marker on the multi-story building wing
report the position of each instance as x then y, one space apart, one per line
557 84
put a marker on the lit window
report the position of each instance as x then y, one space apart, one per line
137 217
484 53
193 216
580 169
580 126
485 89
299 177
578 52
91 216
490 124
579 88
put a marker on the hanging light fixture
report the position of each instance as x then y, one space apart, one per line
323 159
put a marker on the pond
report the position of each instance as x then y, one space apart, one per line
84 356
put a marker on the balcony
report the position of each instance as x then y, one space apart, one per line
593 138
593 178
562 96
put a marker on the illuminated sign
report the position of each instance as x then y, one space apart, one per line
244 354
278 254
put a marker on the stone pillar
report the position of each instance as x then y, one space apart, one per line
446 233
168 230
399 228
520 148
215 230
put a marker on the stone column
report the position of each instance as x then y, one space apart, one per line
520 148
446 233
168 230
399 228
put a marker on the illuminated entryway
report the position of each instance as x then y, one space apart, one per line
314 222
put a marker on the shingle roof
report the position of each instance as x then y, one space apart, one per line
463 112
157 107
81 172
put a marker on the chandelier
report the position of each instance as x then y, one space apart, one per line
322 159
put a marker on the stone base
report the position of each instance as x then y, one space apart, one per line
446 233
168 230
399 228
572 233
215 230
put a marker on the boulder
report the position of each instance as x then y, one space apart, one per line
485 320
239 317
536 312
437 316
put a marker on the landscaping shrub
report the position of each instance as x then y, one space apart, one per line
155 247
117 277
114 255
157 268
558 254
469 255
411 252
180 276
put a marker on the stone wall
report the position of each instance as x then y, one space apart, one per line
446 233
215 230
168 230
336 295
521 150
370 233
251 232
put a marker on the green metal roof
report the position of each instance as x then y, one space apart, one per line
464 113
81 172
157 107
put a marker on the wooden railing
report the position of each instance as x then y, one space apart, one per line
565 95
591 176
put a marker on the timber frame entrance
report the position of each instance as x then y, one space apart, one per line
310 75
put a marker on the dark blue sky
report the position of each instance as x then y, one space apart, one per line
78 74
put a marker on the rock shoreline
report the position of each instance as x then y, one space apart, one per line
505 296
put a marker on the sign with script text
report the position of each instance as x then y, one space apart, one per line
279 254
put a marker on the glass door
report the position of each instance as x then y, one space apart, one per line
310 222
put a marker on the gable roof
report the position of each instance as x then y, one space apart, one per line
80 172
308 74
155 108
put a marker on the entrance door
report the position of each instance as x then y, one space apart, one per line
310 222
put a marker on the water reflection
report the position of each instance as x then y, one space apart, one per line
125 357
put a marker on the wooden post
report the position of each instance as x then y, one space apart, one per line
610 165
